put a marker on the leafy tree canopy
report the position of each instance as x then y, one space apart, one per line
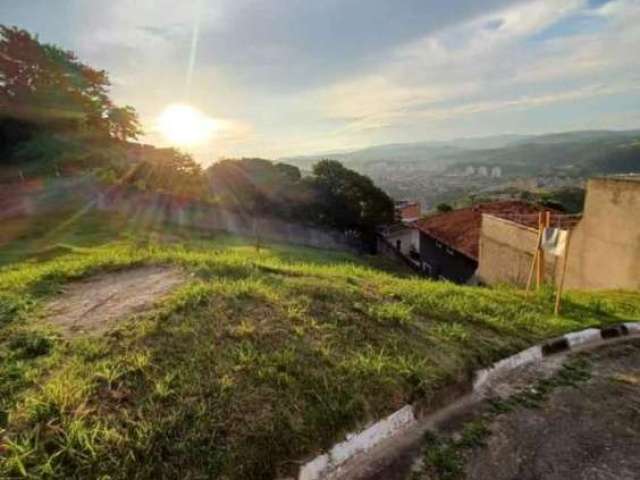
348 200
166 170
333 196
46 86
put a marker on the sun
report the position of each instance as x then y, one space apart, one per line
184 125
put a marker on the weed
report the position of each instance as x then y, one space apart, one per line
442 458
570 374
396 313
30 345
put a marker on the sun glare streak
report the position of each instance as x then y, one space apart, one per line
194 49
183 125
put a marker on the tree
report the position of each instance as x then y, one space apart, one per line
170 171
124 123
444 207
349 201
47 86
256 186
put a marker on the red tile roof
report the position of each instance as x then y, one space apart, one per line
460 229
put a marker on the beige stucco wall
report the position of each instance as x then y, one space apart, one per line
604 251
605 246
506 252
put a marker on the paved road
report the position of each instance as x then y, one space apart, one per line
590 431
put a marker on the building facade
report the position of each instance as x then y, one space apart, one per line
442 262
603 250
449 242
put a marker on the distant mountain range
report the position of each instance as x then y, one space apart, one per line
580 152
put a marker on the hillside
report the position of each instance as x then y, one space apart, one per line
435 172
584 152
259 358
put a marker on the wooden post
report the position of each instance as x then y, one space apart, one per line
564 273
534 260
539 257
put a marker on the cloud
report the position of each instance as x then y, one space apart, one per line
298 75
488 64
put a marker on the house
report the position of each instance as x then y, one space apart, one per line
449 242
404 238
603 251
401 240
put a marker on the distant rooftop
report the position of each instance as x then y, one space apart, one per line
460 229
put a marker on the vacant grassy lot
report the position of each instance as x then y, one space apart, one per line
260 359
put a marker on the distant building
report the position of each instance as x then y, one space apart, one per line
449 242
401 239
496 172
404 238
483 172
407 210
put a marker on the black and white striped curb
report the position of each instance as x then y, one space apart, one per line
330 464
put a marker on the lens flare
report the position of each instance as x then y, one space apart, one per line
184 125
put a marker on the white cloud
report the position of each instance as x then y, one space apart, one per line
491 64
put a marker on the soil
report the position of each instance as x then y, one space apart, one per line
92 305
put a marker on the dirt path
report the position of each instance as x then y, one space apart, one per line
580 423
93 304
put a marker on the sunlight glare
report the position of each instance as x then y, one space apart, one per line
184 125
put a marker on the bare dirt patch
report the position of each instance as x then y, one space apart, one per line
90 306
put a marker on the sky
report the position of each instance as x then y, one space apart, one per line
293 77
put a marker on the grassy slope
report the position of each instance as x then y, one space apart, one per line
260 360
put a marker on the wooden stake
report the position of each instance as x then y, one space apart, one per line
564 273
534 260
540 257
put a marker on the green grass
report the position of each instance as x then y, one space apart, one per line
262 359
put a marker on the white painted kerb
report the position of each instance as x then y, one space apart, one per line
330 463
358 442
533 354
633 328
589 335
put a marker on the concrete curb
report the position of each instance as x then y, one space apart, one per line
356 445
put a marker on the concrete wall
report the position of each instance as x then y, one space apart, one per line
506 253
60 194
605 246
161 208
41 196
